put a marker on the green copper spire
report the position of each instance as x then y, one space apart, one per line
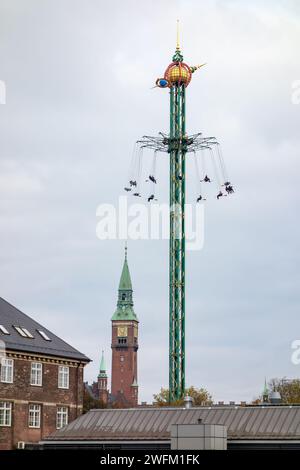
265 392
125 304
125 281
102 371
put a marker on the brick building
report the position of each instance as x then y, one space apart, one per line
124 344
99 389
41 379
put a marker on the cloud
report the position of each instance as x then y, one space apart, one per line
79 78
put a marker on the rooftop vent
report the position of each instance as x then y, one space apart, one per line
275 398
188 402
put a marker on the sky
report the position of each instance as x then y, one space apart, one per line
78 77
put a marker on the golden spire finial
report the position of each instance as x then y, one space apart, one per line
177 41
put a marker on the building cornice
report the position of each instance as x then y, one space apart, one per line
44 358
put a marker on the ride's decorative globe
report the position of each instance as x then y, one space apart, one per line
178 73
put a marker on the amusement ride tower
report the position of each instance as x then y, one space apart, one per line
178 144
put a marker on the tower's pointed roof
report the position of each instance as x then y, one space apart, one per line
125 280
102 371
102 363
125 304
265 390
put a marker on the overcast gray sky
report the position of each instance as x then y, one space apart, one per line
78 76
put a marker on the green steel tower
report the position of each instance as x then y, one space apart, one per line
178 76
177 144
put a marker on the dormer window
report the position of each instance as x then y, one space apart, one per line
123 296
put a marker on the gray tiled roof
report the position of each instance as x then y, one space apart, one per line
10 315
243 422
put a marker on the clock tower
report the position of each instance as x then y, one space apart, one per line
124 386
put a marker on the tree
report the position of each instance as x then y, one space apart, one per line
200 397
288 389
91 403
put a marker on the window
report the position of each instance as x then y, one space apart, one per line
23 332
5 413
63 377
123 296
61 417
4 330
43 335
36 377
27 333
34 416
7 370
122 358
122 340
20 331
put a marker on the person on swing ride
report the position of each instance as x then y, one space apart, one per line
229 189
127 189
220 194
151 178
150 198
137 194
206 179
132 183
200 198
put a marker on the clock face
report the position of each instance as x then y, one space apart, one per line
122 331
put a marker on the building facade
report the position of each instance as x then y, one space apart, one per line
124 344
246 427
41 380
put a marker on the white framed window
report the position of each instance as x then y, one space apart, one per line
63 376
36 376
34 416
43 335
7 370
20 331
62 415
27 333
4 330
5 413
23 332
